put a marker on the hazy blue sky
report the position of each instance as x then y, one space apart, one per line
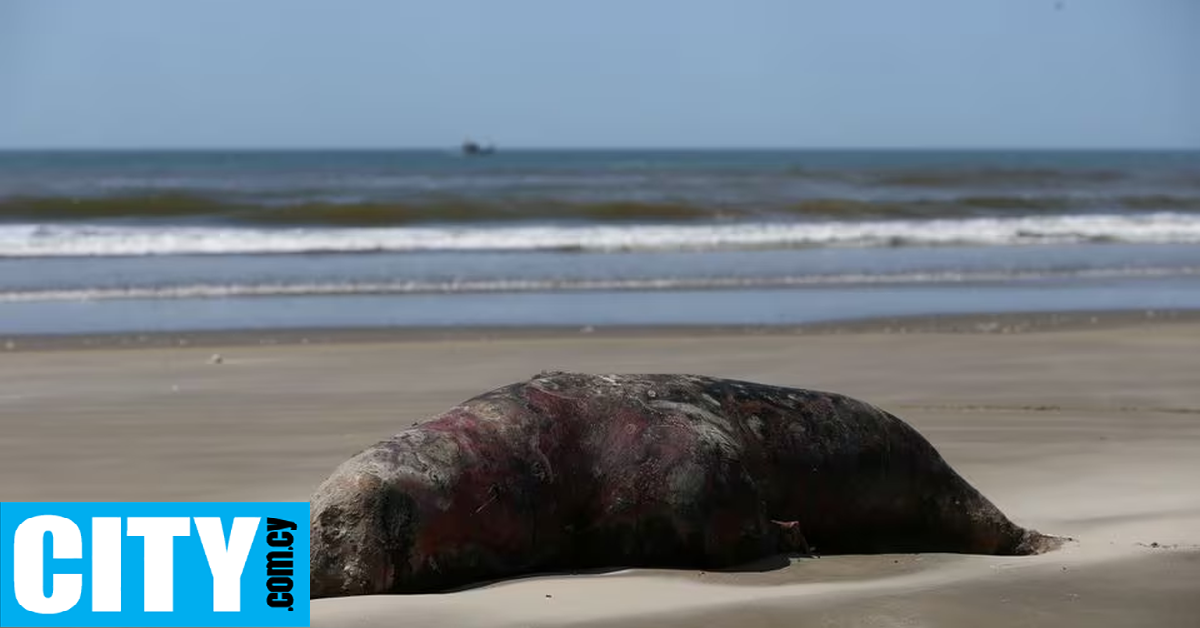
836 73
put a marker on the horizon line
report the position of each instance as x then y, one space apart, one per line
583 148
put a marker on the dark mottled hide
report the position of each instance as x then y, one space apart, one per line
569 471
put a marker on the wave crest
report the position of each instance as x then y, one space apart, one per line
111 240
578 285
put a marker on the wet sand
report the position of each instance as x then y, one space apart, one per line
1081 427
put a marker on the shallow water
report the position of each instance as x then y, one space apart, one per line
598 308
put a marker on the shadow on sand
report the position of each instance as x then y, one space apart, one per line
761 565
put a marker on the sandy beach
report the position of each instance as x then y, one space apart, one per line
1087 427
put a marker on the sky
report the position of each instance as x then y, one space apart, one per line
611 73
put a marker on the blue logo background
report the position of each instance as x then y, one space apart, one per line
193 591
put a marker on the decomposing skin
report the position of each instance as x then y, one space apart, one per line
569 471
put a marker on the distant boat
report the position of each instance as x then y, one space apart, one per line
475 149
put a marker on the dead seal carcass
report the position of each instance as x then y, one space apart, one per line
569 471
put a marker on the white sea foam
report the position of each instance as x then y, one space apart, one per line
108 240
195 291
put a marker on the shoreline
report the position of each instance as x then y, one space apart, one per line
980 324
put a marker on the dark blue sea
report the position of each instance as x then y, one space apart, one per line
157 241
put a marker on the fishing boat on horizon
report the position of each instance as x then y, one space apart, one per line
472 148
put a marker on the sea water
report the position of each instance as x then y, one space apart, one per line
141 241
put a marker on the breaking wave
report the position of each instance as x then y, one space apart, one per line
577 285
50 240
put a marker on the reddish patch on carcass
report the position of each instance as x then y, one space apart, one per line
489 470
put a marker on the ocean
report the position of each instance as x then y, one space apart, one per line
94 242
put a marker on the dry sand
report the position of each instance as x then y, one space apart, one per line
1088 432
